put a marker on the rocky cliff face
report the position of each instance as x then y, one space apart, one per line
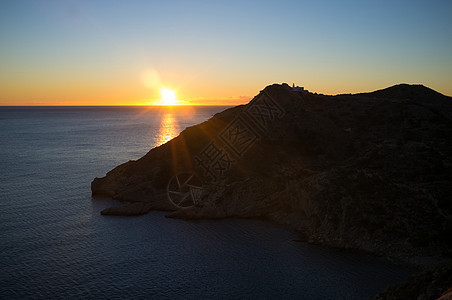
368 171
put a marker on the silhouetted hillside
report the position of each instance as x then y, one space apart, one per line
370 171
407 91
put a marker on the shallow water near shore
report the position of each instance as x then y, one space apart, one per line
55 243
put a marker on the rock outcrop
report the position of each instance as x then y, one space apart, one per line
368 171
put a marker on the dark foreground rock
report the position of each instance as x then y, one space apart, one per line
368 171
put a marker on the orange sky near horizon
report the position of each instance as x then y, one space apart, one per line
73 91
36 93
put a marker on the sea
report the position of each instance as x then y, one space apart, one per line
55 244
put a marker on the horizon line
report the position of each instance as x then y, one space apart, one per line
121 105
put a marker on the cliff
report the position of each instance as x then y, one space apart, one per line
367 171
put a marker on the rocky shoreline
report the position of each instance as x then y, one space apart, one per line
367 171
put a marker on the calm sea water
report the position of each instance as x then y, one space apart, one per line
55 244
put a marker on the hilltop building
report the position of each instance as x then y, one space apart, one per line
297 88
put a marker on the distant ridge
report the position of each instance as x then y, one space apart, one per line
405 91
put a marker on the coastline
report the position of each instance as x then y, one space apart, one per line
348 171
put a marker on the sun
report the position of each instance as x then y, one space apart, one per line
168 96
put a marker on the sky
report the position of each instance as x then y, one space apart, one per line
99 52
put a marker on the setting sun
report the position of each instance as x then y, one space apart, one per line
168 97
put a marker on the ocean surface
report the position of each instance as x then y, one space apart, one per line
54 244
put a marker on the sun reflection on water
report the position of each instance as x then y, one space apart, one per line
168 128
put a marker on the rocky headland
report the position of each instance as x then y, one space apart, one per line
369 171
